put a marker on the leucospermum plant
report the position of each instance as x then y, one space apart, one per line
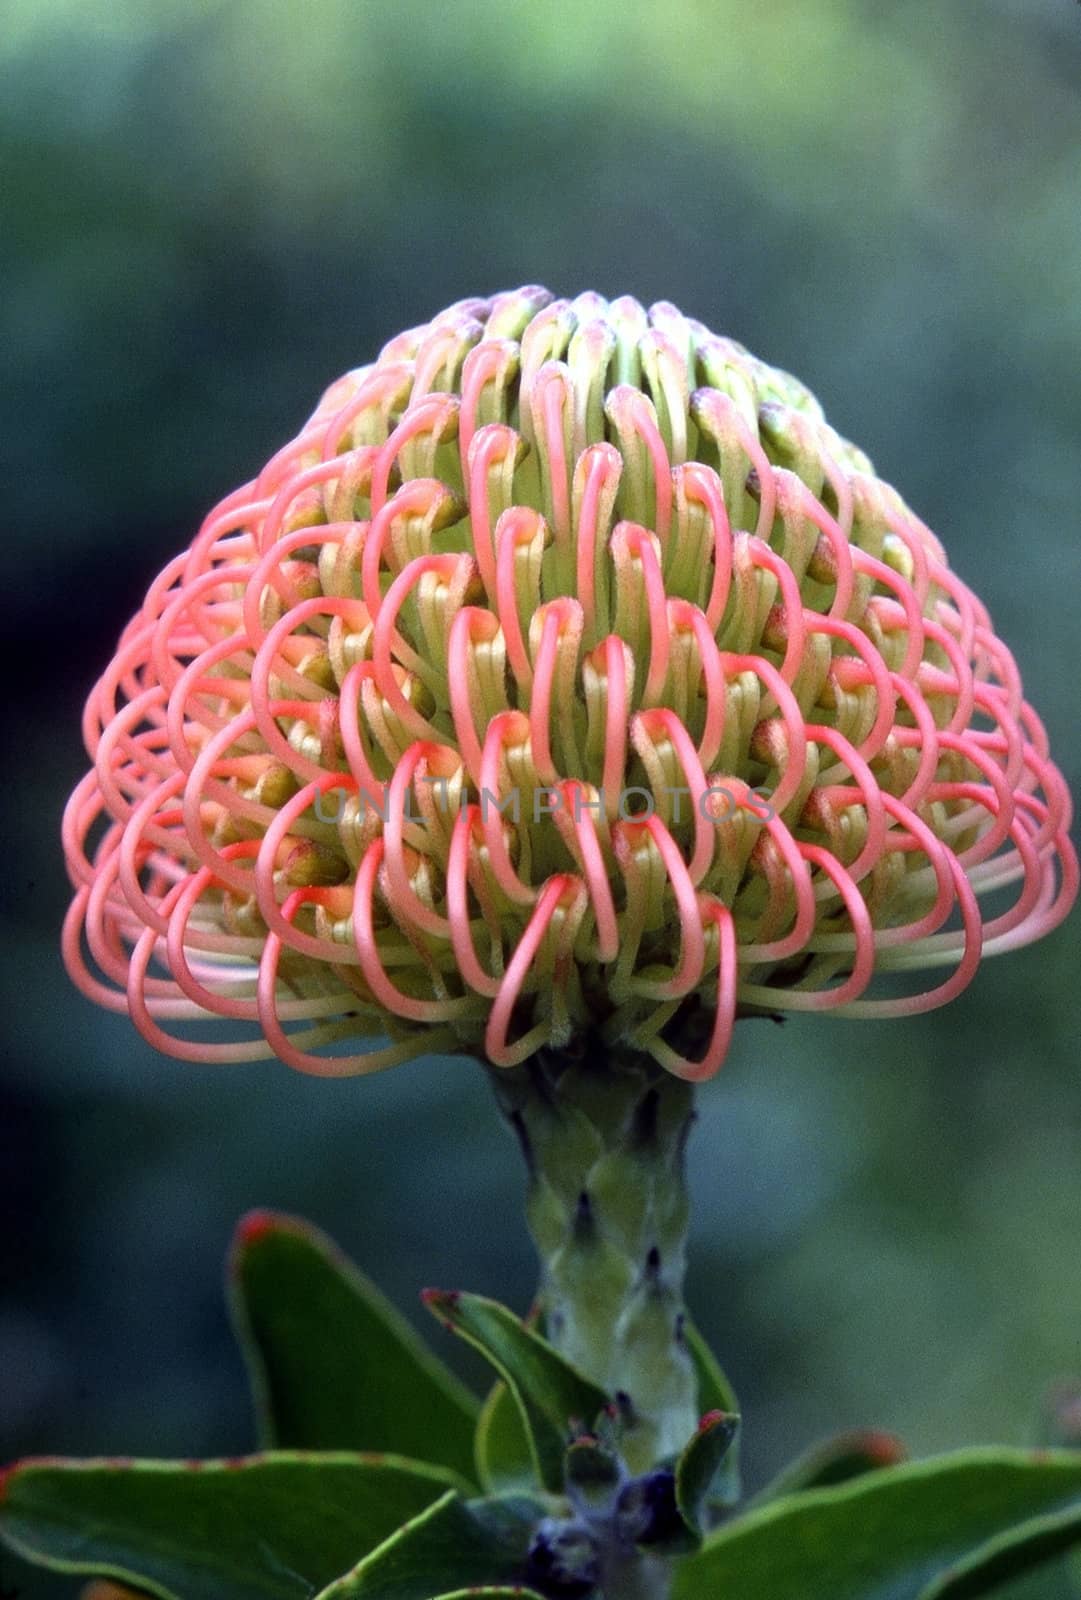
566 690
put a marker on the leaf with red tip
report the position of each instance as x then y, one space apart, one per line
333 1365
592 1472
950 1528
553 1398
271 1527
836 1460
699 1463
715 1393
452 1548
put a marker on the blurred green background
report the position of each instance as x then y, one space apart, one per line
209 212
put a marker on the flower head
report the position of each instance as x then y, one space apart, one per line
567 670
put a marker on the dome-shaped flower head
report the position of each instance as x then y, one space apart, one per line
566 672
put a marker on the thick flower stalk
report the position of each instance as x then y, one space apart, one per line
603 1136
566 672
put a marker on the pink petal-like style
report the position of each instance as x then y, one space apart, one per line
567 673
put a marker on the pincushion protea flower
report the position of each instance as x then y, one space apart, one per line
566 688
566 671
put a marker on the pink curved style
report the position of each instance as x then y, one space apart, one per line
566 672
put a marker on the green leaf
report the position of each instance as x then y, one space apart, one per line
699 1464
274 1527
555 1401
501 1447
890 1535
592 1473
715 1393
332 1364
1009 1556
450 1548
848 1455
486 1592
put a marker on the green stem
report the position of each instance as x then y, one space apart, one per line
603 1137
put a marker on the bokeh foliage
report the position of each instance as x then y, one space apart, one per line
212 209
